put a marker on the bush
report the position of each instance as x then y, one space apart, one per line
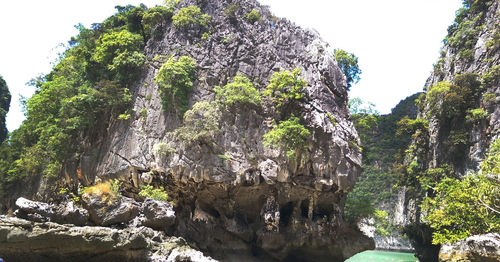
348 64
155 193
121 53
239 91
289 135
461 208
191 17
476 115
153 18
231 12
254 16
447 101
201 124
175 79
285 87
107 190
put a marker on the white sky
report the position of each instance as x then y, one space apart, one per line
397 41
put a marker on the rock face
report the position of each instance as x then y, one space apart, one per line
253 201
236 196
65 213
480 248
22 240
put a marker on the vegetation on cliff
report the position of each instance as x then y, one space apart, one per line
4 108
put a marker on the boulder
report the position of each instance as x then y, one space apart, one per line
105 212
478 248
156 214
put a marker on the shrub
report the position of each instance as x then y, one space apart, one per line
239 91
254 16
289 135
476 115
107 190
155 193
191 17
153 18
285 87
144 113
121 53
231 12
201 123
162 149
348 64
175 79
332 119
447 101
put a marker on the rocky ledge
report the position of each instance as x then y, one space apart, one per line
23 240
479 248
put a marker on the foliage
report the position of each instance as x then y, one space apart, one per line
358 106
239 91
175 79
201 124
4 108
231 12
285 87
86 88
254 16
121 53
348 64
476 115
154 17
289 135
332 119
155 193
162 149
447 101
108 190
461 208
191 17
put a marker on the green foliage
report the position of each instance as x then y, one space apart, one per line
447 101
332 119
239 91
461 208
155 193
205 36
491 77
285 87
144 113
121 53
191 17
154 17
289 135
225 157
254 16
4 108
162 149
232 12
175 79
476 115
348 64
201 124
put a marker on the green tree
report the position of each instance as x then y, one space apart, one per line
175 80
4 108
348 64
290 135
239 91
285 87
191 17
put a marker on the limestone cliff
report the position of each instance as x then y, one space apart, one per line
233 195
461 107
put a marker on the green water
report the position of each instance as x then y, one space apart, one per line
382 256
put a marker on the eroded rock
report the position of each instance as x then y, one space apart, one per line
479 248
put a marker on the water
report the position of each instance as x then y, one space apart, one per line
382 256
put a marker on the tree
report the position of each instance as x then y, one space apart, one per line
348 64
4 108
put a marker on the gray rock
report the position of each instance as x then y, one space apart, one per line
22 240
65 213
479 248
105 212
157 214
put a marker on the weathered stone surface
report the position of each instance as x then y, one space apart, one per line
22 240
156 214
65 213
479 248
105 212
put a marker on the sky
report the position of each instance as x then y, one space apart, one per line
397 41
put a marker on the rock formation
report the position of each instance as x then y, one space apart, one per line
460 130
233 195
